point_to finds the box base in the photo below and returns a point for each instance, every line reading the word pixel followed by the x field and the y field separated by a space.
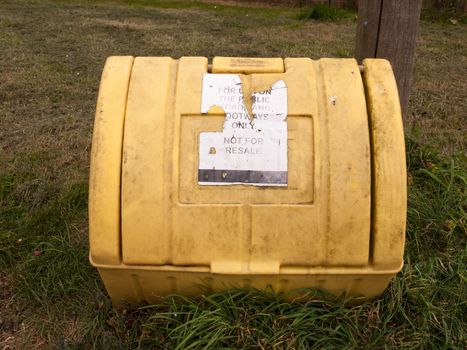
pixel 135 285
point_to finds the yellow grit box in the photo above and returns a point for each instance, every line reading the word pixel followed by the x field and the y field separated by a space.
pixel 249 172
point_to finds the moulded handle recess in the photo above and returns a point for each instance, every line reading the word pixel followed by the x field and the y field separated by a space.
pixel 247 65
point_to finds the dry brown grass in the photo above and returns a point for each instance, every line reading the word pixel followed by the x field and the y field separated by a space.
pixel 438 104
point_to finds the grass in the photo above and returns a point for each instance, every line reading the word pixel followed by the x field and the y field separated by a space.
pixel 263 11
pixel 322 12
pixel 448 14
pixel 50 297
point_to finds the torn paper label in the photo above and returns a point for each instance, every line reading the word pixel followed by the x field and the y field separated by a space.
pixel 252 152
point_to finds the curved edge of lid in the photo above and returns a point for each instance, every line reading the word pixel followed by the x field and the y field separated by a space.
pixel 106 159
pixel 389 174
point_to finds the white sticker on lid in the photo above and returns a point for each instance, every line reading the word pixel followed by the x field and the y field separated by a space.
pixel 250 152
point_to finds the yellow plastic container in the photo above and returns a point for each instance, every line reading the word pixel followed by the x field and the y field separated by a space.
pixel 337 221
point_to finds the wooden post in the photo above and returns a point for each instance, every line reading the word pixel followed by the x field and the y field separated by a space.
pixel 388 29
